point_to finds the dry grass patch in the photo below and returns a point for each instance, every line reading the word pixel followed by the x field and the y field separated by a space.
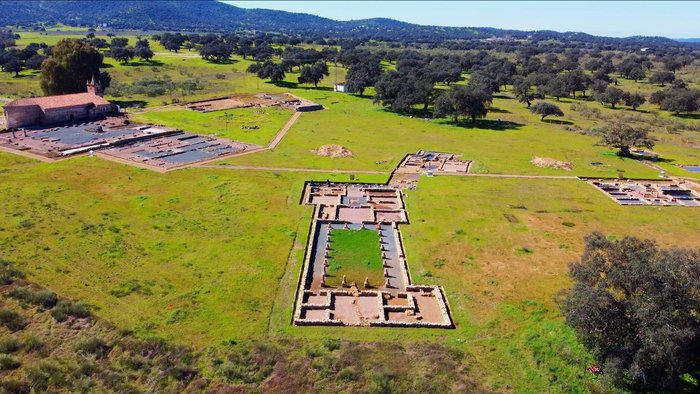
pixel 546 162
pixel 332 150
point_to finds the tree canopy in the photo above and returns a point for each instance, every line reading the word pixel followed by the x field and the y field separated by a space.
pixel 635 306
pixel 72 63
pixel 362 74
pixel 268 69
pixel 612 96
pixel 677 99
pixel 621 135
pixel 545 109
pixel 314 73
pixel 634 100
pixel 471 100
pixel 662 77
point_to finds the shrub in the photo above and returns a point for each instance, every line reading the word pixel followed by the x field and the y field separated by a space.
pixel 12 320
pixel 332 344
pixel 134 362
pixel 585 110
pixel 65 309
pixel 45 375
pixel 523 250
pixel 95 346
pixel 43 298
pixel 250 365
pixel 8 362
pixel 14 387
pixel 8 274
pixel 183 373
pixel 348 374
pixel 33 344
pixel 9 345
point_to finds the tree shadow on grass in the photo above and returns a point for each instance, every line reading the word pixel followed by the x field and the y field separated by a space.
pixel 499 110
pixel 651 160
pixel 320 88
pixel 557 121
pixel 141 63
pixel 284 84
pixel 663 160
pixel 420 114
pixel 226 61
pixel 483 124
pixel 688 116
pixel 638 157
pixel 502 96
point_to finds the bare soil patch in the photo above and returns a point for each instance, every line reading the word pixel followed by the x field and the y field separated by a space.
pixel 332 150
pixel 546 162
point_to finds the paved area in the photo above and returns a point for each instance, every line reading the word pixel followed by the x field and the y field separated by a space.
pixel 176 150
pixel 145 146
pixel 648 192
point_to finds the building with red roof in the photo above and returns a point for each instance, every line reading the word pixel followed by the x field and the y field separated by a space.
pixel 58 109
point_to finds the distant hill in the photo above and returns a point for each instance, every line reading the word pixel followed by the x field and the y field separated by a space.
pixel 214 16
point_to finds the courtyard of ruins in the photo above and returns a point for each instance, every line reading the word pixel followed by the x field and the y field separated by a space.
pixel 149 146
pixel 330 293
pixel 261 100
pixel 664 192
pixel 374 289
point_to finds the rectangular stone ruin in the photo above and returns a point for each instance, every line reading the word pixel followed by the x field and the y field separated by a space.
pixel 396 302
pixel 649 192
pixel 284 100
pixel 426 162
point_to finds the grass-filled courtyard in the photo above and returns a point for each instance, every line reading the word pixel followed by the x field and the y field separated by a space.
pixel 355 254
pixel 252 125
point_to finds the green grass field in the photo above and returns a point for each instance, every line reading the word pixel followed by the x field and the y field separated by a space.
pixel 229 124
pixel 203 256
pixel 355 254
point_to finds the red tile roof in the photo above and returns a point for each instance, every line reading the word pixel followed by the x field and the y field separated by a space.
pixel 62 101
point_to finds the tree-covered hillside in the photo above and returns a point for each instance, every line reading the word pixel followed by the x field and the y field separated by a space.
pixel 215 16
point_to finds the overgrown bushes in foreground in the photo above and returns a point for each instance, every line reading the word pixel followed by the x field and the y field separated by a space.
pixel 57 345
pixel 636 307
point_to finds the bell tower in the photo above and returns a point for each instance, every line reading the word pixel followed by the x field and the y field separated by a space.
pixel 94 87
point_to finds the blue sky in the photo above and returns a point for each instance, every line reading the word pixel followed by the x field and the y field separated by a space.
pixel 674 19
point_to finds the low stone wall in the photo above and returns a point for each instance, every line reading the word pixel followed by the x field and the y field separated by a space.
pixel 395 323
pixel 400 308
pixel 402 255
pixel 437 292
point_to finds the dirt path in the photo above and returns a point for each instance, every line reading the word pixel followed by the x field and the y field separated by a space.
pixel 205 164
pixel 283 131
pixel 263 168
pixel 270 145
pixel 27 154
pixel 511 176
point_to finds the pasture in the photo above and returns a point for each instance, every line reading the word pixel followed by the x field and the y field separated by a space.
pixel 203 256
pixel 251 125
